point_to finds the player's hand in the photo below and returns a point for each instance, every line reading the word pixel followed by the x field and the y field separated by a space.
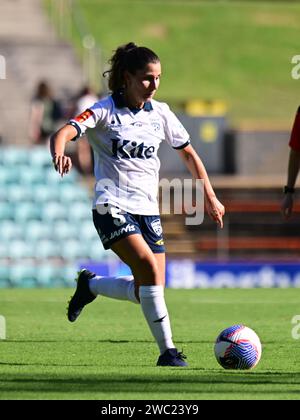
pixel 287 206
pixel 62 164
pixel 216 210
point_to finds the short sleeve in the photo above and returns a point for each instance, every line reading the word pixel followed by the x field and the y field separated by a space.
pixel 176 134
pixel 87 119
pixel 295 134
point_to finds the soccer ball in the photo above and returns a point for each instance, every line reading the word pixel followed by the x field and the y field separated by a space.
pixel 238 347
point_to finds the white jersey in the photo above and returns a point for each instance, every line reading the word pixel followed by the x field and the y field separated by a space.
pixel 125 144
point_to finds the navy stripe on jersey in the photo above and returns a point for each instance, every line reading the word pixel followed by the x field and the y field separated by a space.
pixel 182 146
pixel 73 124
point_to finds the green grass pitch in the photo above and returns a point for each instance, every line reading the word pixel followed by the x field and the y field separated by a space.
pixel 236 51
pixel 109 354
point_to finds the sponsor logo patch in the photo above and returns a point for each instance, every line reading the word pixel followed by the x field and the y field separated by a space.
pixel 84 116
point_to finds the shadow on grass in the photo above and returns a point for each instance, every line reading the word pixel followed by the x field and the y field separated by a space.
pixel 191 381
pixel 86 340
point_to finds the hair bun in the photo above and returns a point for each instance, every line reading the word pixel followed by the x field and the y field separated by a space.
pixel 130 46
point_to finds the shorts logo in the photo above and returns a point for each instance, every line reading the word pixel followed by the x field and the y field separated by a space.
pixel 156 226
pixel 84 116
pixel 116 233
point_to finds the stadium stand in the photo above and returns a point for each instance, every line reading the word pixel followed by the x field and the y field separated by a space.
pixel 253 229
pixel 28 44
pixel 46 227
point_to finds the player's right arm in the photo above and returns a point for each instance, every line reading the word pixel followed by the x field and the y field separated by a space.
pixel 58 141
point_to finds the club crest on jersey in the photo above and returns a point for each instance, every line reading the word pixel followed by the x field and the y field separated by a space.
pixel 156 226
pixel 155 126
pixel 84 116
pixel 131 149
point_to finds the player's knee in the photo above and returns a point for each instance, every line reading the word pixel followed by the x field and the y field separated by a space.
pixel 148 271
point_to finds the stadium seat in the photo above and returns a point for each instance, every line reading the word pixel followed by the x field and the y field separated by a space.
pixel 22 275
pixel 45 220
pixel 95 250
pixel 35 230
pixel 3 193
pixel 69 273
pixel 3 176
pixel 42 193
pixel 87 231
pixel 3 250
pixel 31 175
pixel 52 177
pixel 73 249
pixel 79 212
pixel 40 157
pixel 4 276
pixel 45 249
pixel 6 211
pixel 48 275
pixel 19 249
pixel 13 156
pixel 63 230
pixel 27 211
pixel 71 193
pixel 8 175
pixel 54 211
pixel 10 230
pixel 17 193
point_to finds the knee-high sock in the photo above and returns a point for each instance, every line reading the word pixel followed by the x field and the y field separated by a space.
pixel 156 313
pixel 121 288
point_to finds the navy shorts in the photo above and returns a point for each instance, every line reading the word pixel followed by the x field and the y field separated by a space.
pixel 116 224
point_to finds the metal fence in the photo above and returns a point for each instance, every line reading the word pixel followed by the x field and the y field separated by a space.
pixel 68 18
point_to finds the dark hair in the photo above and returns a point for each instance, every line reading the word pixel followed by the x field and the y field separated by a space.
pixel 128 57
pixel 43 90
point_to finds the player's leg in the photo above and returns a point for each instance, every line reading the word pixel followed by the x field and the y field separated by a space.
pixel 127 287
pixel 82 295
pixel 111 227
pixel 89 286
pixel 147 284
pixel 149 275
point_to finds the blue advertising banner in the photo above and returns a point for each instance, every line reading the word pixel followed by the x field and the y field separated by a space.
pixel 189 274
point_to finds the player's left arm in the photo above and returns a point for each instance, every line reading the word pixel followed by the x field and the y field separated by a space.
pixel 190 157
pixel 293 170
pixel 293 167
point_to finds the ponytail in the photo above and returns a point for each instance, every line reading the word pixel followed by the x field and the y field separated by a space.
pixel 128 57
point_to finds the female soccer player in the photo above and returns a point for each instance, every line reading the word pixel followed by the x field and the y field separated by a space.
pixel 125 130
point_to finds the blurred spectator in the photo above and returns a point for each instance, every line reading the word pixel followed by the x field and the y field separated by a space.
pixel 86 98
pixel 45 113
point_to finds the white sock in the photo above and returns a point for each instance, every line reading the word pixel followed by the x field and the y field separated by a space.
pixel 121 288
pixel 156 313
